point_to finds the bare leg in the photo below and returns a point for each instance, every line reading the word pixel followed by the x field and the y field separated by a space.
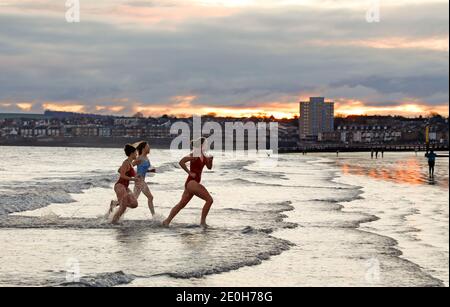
pixel 149 196
pixel 142 187
pixel 185 199
pixel 112 206
pixel 138 188
pixel 200 191
pixel 126 200
pixel 119 214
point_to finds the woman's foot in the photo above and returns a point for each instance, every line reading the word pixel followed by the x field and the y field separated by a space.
pixel 165 223
pixel 204 225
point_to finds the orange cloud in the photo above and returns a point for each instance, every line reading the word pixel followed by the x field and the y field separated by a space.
pixel 64 107
pixel 24 106
pixel 287 107
pixel 355 107
pixel 432 43
pixel 182 106
pixel 114 109
pixel 124 14
pixel 176 13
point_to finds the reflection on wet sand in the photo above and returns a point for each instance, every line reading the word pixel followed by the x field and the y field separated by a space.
pixel 409 171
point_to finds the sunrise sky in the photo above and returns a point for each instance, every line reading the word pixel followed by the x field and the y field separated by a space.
pixel 233 57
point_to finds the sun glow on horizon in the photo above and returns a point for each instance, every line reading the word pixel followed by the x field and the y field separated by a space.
pixel 184 106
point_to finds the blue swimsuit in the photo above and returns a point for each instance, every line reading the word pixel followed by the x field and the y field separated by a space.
pixel 143 167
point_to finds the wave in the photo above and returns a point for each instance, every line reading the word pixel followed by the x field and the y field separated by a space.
pixel 274 250
pixel 387 245
pixel 248 182
pixel 101 280
pixel 248 246
pixel 56 222
pixel 24 196
pixel 121 278
pixel 53 221
pixel 166 167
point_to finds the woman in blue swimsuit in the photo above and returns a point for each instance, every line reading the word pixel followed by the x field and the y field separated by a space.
pixel 143 167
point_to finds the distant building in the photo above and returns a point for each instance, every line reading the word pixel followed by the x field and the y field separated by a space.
pixel 363 134
pixel 287 135
pixel 105 132
pixel 316 117
pixel 22 116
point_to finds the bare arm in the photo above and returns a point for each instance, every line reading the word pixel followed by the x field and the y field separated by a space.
pixel 183 163
pixel 137 162
pixel 209 162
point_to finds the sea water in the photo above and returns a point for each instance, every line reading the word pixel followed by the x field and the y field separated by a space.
pixel 315 220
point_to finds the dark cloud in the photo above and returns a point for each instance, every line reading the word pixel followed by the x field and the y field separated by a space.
pixel 414 86
pixel 255 55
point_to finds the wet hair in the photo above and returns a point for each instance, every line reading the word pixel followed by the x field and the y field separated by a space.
pixel 129 149
pixel 140 148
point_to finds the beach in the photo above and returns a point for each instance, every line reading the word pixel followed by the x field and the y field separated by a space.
pixel 314 220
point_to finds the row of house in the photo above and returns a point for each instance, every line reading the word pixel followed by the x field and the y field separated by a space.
pixel 350 130
pixel 162 131
pixel 363 134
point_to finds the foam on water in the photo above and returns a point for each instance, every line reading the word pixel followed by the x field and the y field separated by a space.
pixel 144 248
pixel 322 228
pixel 416 219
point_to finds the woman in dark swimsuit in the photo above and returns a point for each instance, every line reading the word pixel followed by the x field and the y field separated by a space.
pixel 193 186
pixel 124 195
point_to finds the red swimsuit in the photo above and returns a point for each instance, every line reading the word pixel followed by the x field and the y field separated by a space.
pixel 130 173
pixel 196 167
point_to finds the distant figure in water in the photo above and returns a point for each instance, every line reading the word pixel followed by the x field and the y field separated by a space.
pixel 193 187
pixel 125 197
pixel 371 153
pixel 337 153
pixel 376 154
pixel 143 167
pixel 431 162
pixel 382 153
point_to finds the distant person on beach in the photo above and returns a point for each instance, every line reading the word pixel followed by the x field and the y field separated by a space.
pixel 143 167
pixel 382 153
pixel 376 153
pixel 337 153
pixel 193 187
pixel 431 162
pixel 125 197
pixel 371 153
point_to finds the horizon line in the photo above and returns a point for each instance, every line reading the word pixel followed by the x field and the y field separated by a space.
pixel 428 115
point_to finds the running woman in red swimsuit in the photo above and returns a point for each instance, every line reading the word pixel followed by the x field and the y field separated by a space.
pixel 124 195
pixel 193 187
